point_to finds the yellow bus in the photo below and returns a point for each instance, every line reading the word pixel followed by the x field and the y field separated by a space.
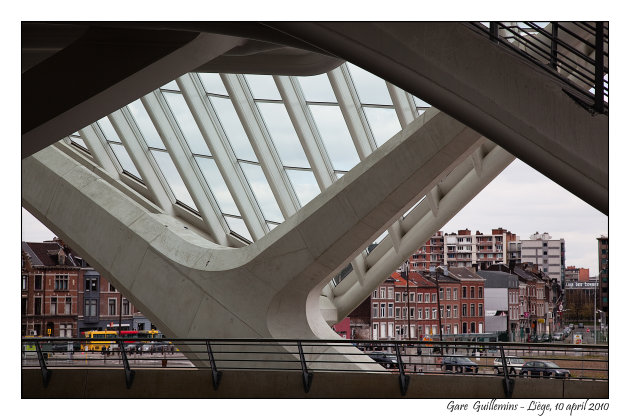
pixel 99 340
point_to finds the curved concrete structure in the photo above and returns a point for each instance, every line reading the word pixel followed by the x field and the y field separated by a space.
pixel 192 287
pixel 192 272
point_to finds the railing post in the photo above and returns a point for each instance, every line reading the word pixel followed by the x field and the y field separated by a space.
pixel 599 67
pixel 508 383
pixel 494 31
pixel 42 364
pixel 307 377
pixel 129 374
pixel 216 375
pixel 554 45
pixel 404 379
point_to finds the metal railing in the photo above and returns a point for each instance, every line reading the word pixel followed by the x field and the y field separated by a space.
pixel 574 52
pixel 403 358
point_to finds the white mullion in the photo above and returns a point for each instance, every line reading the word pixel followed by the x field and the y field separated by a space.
pixel 100 150
pixel 312 145
pixel 138 155
pixel 212 217
pixel 223 155
pixel 404 110
pixel 267 155
pixel 352 111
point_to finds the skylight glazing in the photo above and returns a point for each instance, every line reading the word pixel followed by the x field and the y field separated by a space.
pixel 117 147
pixel 326 131
pixel 376 103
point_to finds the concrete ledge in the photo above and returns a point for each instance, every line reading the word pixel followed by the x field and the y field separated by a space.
pixel 193 383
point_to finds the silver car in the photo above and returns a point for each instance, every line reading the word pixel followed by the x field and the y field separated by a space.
pixel 514 365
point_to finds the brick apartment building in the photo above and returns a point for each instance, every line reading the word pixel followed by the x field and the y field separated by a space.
pixel 62 296
pixel 402 308
pixel 602 253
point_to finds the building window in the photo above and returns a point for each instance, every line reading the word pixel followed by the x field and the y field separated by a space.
pixel 426 313
pixel 38 306
pixel 455 311
pixel 448 293
pixel 53 306
pixel 412 297
pixel 113 289
pixel 427 298
pixel 374 294
pixel 390 310
pixel 38 282
pixel 472 309
pixel 412 313
pixel 390 293
pixel 65 330
pixel 464 325
pixel 480 309
pixel 419 313
pixel 472 327
pixel 397 313
pixel 464 309
pixel 375 310
pixel 383 311
pixel 375 331
pixel 90 307
pixel 90 284
pixel 448 329
pixel 433 297
pixel 463 292
pixel 24 281
pixel 68 306
pixel 454 294
pixel 404 313
pixel 441 293
pixel 397 298
pixel 125 307
pixel 480 294
pixel 112 307
pixel 472 292
pixel 404 296
pixel 433 313
pixel 61 282
pixel 24 305
pixel 448 311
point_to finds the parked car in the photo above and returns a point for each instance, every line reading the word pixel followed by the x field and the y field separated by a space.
pixel 388 361
pixel 514 365
pixel 541 368
pixel 157 347
pixel 580 325
pixel 558 336
pixel 459 364
pixel 571 326
pixel 545 338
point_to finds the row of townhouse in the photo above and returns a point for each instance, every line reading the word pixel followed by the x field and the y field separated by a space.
pixel 62 296
pixel 518 299
pixel 406 305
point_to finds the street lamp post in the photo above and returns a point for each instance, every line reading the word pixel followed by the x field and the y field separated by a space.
pixel 437 288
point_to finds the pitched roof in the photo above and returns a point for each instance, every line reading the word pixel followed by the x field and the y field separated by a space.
pixel 46 253
pixel 463 273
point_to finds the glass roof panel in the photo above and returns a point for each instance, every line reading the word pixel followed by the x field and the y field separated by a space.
pixel 263 87
pixel 212 83
pixel 217 185
pixel 124 159
pixel 262 192
pixel 238 226
pixel 383 123
pixel 370 88
pixel 187 123
pixel 172 85
pixel 233 129
pixel 283 134
pixel 317 88
pixel 174 180
pixel 335 135
pixel 304 184
pixel 79 141
pixel 108 130
pixel 145 125
pixel 420 103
